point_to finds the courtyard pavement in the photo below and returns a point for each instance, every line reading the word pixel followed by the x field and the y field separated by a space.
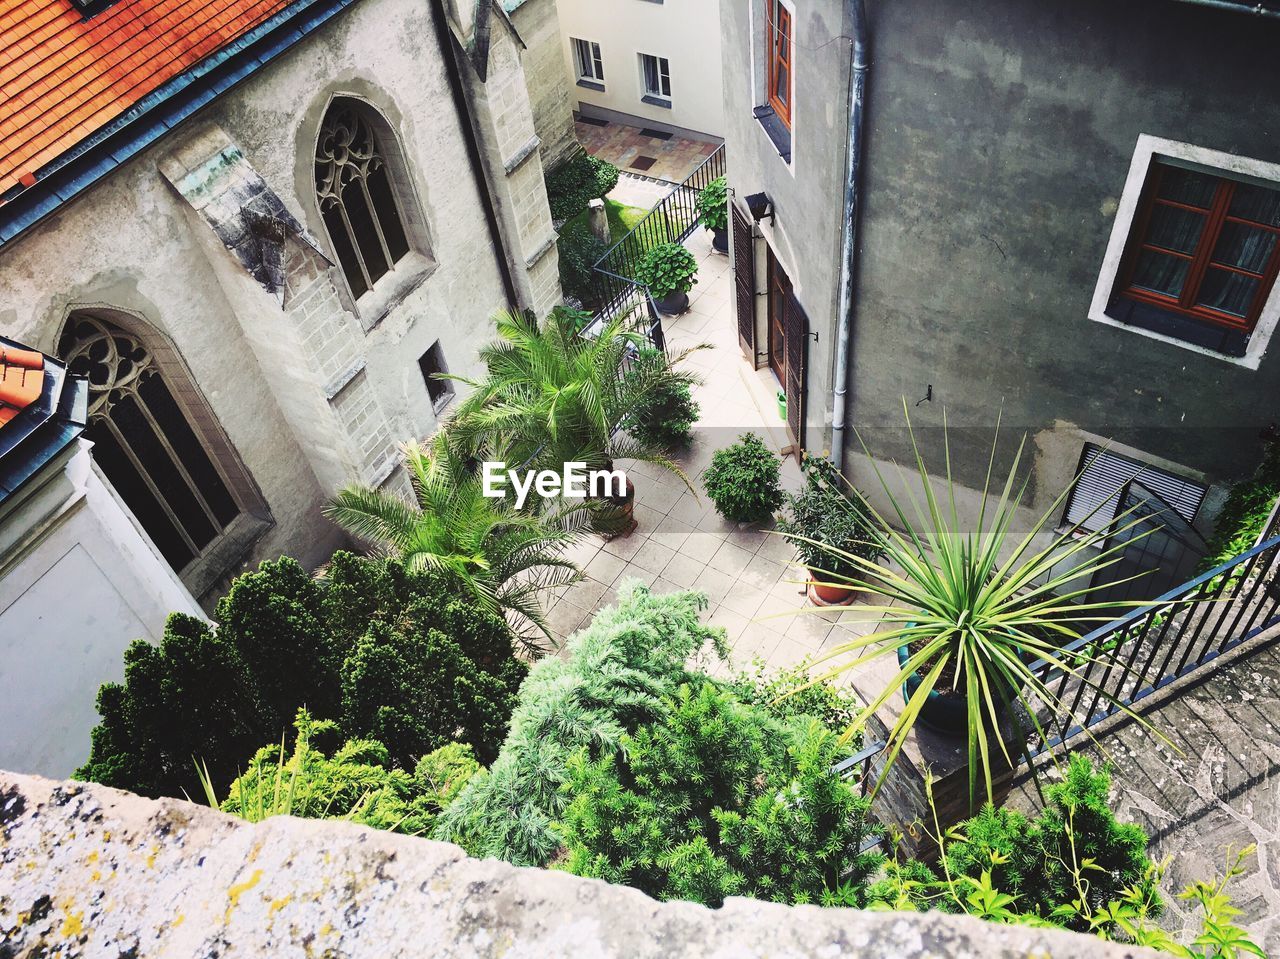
pixel 629 149
pixel 748 573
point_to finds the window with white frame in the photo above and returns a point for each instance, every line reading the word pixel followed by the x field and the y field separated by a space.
pixel 1195 251
pixel 588 61
pixel 655 75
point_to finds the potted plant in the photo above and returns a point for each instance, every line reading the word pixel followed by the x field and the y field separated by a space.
pixel 664 418
pixel 553 395
pixel 669 271
pixel 713 210
pixel 742 480
pixel 971 609
pixel 822 517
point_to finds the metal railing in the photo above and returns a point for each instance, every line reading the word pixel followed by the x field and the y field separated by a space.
pixel 1180 632
pixel 859 764
pixel 672 221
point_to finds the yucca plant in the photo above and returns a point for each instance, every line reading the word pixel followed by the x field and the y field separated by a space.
pixel 974 606
pixel 503 558
pixel 553 395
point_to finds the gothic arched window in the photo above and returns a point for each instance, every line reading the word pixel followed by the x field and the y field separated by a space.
pixel 357 200
pixel 144 441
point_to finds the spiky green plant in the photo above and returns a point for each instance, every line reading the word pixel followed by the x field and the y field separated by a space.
pixel 980 600
pixel 504 558
pixel 551 396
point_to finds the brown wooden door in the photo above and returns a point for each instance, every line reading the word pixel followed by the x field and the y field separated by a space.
pixel 779 290
pixel 744 283
pixel 796 340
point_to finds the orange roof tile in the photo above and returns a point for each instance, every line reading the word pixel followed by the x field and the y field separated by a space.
pixel 63 77
pixel 21 380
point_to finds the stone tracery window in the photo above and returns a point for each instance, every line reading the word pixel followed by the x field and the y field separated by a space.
pixel 147 446
pixel 357 201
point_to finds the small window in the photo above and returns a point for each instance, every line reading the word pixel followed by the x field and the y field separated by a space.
pixel 778 47
pixel 655 72
pixel 1103 475
pixel 1202 256
pixel 589 62
pixel 431 363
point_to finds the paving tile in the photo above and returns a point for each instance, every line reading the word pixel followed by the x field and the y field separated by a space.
pixel 605 567
pixel 587 594
pixel 747 537
pixel 809 628
pixel 788 654
pixel 689 509
pixel 778 548
pixel 762 573
pixel 701 546
pixel 566 618
pixel 730 559
pixel 647 518
pixel 626 547
pixel 733 623
pixel 744 600
pixel 715 585
pixel 583 551
pixel 671 532
pixel 684 571
pixel 652 556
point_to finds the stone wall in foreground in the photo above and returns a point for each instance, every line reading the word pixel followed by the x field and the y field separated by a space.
pixel 89 871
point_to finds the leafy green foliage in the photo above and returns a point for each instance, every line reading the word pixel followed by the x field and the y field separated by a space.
pixel 718 798
pixel 1244 515
pixel 358 783
pixel 501 556
pixel 983 604
pixel 551 396
pixel 664 418
pixel 792 693
pixel 742 480
pixel 617 675
pixel 579 249
pixel 287 640
pixel 713 204
pixel 667 269
pixel 821 517
pixel 576 182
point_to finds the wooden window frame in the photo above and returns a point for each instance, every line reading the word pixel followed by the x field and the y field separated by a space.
pixel 779 51
pixel 1217 215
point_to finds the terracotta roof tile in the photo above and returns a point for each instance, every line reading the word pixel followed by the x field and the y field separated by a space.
pixel 21 380
pixel 63 77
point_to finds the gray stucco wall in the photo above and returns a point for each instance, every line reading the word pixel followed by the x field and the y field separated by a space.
pixel 132 243
pixel 549 94
pixel 999 139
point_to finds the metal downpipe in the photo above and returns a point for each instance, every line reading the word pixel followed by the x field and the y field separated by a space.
pixel 857 17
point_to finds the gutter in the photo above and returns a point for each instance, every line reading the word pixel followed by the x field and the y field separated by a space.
pixel 856 14
pixel 179 98
pixel 450 49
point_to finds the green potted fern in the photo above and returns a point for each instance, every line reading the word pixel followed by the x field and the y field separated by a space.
pixel 669 271
pixel 713 211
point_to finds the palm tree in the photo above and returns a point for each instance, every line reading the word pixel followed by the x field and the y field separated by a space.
pixel 974 613
pixel 561 392
pixel 503 557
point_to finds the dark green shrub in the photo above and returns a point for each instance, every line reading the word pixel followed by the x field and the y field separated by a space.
pixel 579 250
pixel 790 694
pixel 823 513
pixel 716 799
pixel 285 641
pixel 713 204
pixel 1245 513
pixel 665 420
pixel 742 480
pixel 578 181
pixel 667 269
pixel 618 674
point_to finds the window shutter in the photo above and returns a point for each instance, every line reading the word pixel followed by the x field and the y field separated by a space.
pixel 1105 474
pixel 796 332
pixel 744 282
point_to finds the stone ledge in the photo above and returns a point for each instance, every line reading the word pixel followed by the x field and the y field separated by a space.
pixel 91 871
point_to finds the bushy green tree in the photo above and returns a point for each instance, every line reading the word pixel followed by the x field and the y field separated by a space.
pixel 664 419
pixel 576 182
pixel 743 480
pixel 286 640
pixel 358 783
pixel 718 798
pixel 617 675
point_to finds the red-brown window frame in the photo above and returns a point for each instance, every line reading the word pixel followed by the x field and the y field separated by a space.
pixel 1201 258
pixel 779 24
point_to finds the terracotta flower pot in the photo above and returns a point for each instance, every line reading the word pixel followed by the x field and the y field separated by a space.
pixel 823 594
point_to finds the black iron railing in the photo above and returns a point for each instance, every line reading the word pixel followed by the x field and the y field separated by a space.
pixel 1182 631
pixel 671 221
pixel 859 764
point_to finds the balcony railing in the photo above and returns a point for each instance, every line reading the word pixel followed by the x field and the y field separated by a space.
pixel 671 221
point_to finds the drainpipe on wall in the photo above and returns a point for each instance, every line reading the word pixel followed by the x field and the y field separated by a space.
pixel 856 15
pixel 462 106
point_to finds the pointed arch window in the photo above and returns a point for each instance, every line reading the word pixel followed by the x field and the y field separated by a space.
pixel 193 501
pixel 354 187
